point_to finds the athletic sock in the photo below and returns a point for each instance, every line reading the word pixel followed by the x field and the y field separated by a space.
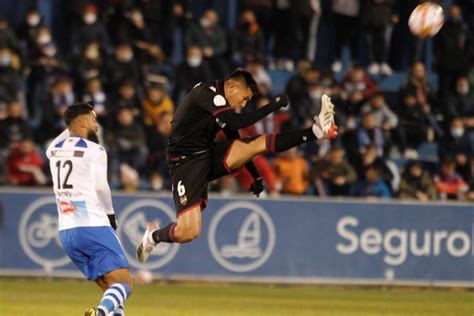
pixel 119 311
pixel 114 296
pixel 165 234
pixel 284 141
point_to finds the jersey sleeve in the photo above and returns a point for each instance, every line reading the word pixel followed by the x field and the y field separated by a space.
pixel 98 160
pixel 209 99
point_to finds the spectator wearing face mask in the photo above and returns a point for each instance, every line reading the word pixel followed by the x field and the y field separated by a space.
pixel 298 91
pixel 460 103
pixel 46 66
pixel 27 30
pixel 9 75
pixel 193 70
pixel 368 133
pixel 124 66
pixel 357 88
pixel 42 37
pixel 256 67
pixel 247 40
pixel 95 94
pixel 457 140
pixel 90 29
pixel 211 39
pixel 384 116
pixel 91 64
pixel 59 98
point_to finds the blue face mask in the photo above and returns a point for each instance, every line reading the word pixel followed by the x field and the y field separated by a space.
pixel 5 60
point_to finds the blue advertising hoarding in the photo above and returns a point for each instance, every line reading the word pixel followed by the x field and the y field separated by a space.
pixel 274 240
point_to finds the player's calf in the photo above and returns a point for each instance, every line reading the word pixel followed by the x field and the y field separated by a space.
pixel 186 229
pixel 114 297
pixel 184 234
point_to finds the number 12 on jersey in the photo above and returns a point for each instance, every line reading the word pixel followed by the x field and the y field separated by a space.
pixel 67 167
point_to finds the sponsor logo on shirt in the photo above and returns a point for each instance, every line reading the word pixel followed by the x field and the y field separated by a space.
pixel 66 207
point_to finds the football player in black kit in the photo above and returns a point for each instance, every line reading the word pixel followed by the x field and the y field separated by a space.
pixel 195 159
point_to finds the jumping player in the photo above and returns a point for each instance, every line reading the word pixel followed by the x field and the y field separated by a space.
pixel 86 216
pixel 195 159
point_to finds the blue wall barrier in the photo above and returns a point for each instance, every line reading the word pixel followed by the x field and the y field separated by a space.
pixel 283 240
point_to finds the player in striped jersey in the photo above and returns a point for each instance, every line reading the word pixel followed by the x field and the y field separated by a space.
pixel 86 216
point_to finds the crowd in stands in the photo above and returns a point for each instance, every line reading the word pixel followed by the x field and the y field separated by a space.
pixel 135 60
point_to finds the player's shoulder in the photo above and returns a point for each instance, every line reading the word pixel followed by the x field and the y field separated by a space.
pixel 205 89
pixel 94 146
pixel 209 93
pixel 90 147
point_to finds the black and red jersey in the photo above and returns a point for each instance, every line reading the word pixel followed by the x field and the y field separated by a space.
pixel 195 125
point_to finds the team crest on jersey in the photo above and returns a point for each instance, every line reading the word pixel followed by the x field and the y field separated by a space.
pixel 219 100
pixel 183 200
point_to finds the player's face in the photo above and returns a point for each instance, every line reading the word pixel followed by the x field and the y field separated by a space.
pixel 238 96
pixel 92 127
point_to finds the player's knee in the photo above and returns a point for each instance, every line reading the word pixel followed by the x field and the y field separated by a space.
pixel 194 232
pixel 189 233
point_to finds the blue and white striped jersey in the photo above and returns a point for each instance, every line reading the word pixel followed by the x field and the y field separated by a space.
pixel 79 171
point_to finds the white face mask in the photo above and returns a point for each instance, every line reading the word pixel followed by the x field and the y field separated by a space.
pixel 315 95
pixel 50 51
pixel 44 38
pixel 125 56
pixel 205 22
pixel 463 90
pixel 92 54
pixel 457 132
pixel 194 61
pixel 5 60
pixel 33 19
pixel 89 18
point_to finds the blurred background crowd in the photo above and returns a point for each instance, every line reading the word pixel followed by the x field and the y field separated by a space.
pixel 404 105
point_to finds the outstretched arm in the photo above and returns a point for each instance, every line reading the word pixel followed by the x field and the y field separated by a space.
pixel 240 120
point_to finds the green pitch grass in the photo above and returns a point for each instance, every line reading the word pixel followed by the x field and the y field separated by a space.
pixel 69 297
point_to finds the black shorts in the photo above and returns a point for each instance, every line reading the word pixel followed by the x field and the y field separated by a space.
pixel 190 176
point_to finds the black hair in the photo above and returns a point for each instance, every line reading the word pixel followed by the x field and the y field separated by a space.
pixel 76 110
pixel 242 75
